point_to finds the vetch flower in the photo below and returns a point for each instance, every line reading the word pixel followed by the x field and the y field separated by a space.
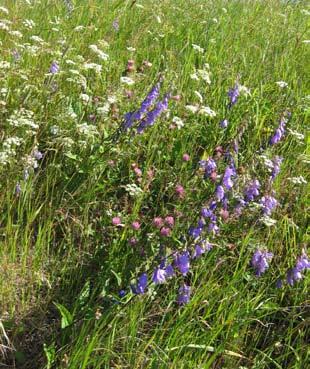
pixel 268 204
pixel 276 166
pixel 233 95
pixel 54 68
pixel 227 181
pixel 260 261
pixel 184 294
pixel 159 276
pixel 182 262
pixel 141 284
pixel 219 193
pixel 252 190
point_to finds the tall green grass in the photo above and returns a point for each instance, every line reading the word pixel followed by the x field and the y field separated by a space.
pixel 62 262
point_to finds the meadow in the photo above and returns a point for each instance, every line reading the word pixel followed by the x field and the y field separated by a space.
pixel 154 168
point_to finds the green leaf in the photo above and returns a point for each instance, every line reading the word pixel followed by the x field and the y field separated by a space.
pixel 66 316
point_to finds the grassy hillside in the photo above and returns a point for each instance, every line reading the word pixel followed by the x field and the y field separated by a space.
pixel 154 159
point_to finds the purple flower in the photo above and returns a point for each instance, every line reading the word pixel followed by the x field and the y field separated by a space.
pixel 303 262
pixel 199 250
pixel 206 213
pixel 18 189
pixel 252 190
pixel 224 123
pixel 268 204
pixel 184 294
pixel 279 133
pixel 141 284
pixel 146 104
pixel 233 95
pixel 115 25
pixel 260 261
pixel 169 271
pixel 213 228
pixel 219 193
pixel 209 166
pixel 54 68
pixel 294 274
pixel 276 166
pixel 37 154
pixel 195 232
pixel 159 276
pixel 152 115
pixel 182 262
pixel 227 181
pixel 121 293
pixel 206 245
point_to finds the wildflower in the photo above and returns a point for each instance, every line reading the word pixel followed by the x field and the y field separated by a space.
pixel 158 222
pixel 127 81
pixel 195 232
pixel 135 225
pixel 121 293
pixel 282 84
pixel 276 166
pixel 280 130
pixel 206 213
pixel 199 250
pixel 268 204
pixel 54 68
pixel 152 115
pixel 18 189
pixel 213 228
pixel 207 112
pixel 184 294
pixel 116 221
pixel 233 95
pixel 165 231
pixel 227 181
pixel 133 241
pixel 252 190
pixel 182 262
pixel 260 261
pixel 141 284
pixel 115 25
pixel 224 123
pixel 219 193
pixel 180 191
pixel 185 157
pixel 169 220
pixel 169 271
pixel 209 166
pixel 198 48
pixel 37 154
pixel 159 276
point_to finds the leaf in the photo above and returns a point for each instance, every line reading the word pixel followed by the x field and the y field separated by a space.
pixel 50 354
pixel 118 278
pixel 66 316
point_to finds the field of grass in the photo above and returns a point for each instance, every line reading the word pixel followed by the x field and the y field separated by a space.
pixel 172 237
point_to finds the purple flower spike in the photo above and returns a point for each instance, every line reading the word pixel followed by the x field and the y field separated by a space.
pixel 199 250
pixel 152 115
pixel 54 68
pixel 184 294
pixel 280 131
pixel 219 193
pixel 209 166
pixel 268 203
pixel 142 283
pixel 227 181
pixel 224 123
pixel 182 262
pixel 169 271
pixel 276 167
pixel 195 232
pixel 252 190
pixel 260 261
pixel 159 276
pixel 233 95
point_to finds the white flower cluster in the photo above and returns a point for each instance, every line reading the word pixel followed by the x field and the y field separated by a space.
pixel 102 55
pixel 23 118
pixel 9 149
pixel 133 190
pixel 87 130
pixel 29 23
pixel 298 180
pixel 202 74
pixel 201 110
